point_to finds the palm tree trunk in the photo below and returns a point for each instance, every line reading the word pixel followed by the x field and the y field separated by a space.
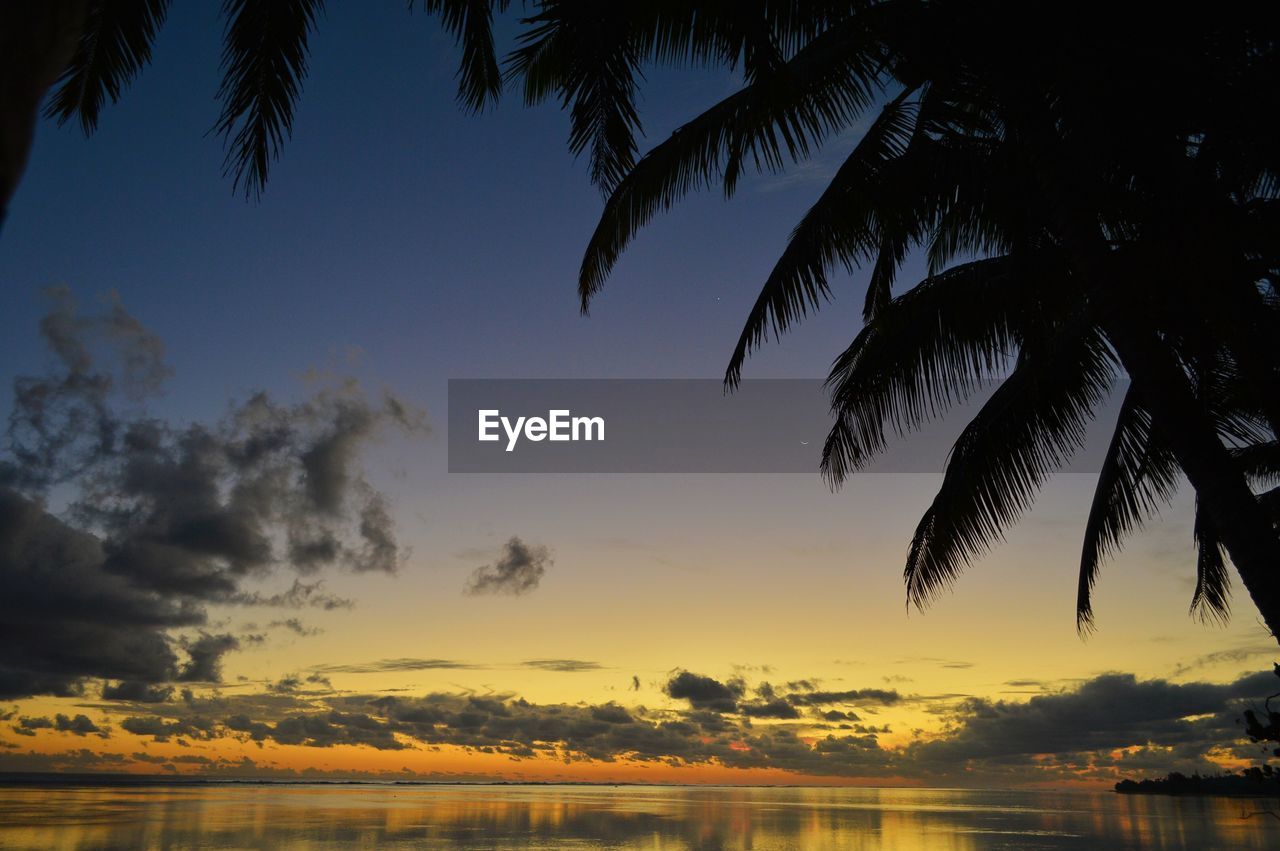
pixel 1242 525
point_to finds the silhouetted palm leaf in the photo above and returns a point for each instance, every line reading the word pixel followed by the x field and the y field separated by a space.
pixel 1211 599
pixel 931 347
pixel 591 56
pixel 883 201
pixel 1138 474
pixel 1032 424
pixel 840 228
pixel 825 86
pixel 264 60
pixel 115 45
pixel 471 23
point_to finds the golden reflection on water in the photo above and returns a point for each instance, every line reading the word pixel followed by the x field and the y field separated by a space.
pixel 544 817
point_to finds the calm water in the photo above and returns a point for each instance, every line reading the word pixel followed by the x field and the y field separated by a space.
pixel 474 817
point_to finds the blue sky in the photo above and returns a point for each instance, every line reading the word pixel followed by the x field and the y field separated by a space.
pixel 441 244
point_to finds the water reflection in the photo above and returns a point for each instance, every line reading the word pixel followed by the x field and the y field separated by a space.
pixel 472 817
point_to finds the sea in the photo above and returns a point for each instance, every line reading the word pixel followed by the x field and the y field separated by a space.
pixel 394 816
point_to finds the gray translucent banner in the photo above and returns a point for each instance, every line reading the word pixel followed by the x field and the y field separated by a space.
pixel 682 426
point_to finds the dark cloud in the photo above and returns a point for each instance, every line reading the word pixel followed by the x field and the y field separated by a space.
pixel 336 728
pixel 518 570
pixel 206 652
pixel 27 726
pixel 885 697
pixel 611 713
pixel 80 725
pixel 568 666
pixel 1080 726
pixel 137 692
pixel 162 730
pixel 777 708
pixel 837 715
pixel 66 619
pixel 296 683
pixel 160 520
pixel 704 692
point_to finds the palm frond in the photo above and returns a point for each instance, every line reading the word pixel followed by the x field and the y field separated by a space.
pixel 929 348
pixel 587 53
pixel 114 47
pixel 1211 600
pixel 264 60
pixel 840 227
pixel 471 24
pixel 1138 474
pixel 785 115
pixel 591 55
pixel 1028 429
pixel 913 179
pixel 1261 462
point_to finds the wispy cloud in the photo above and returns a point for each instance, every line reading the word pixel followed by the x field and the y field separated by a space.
pixel 402 664
pixel 568 666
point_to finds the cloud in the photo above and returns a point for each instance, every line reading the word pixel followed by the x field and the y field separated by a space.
pixel 518 570
pixel 704 692
pixel 838 715
pixel 1083 724
pixel 80 725
pixel 884 697
pixel 1102 729
pixel 955 664
pixel 403 664
pixel 299 595
pixel 295 683
pixel 777 708
pixel 27 726
pixel 295 626
pixel 206 652
pixel 67 618
pixel 567 666
pixel 137 692
pixel 160 520
pixel 162 730
pixel 1236 655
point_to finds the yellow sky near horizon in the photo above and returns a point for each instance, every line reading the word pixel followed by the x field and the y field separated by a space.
pixel 731 590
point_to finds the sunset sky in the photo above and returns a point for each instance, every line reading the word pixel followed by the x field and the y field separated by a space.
pixel 671 628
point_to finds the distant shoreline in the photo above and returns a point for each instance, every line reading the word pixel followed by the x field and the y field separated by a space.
pixel 36 779
pixel 40 778
pixel 1222 786
pixel 1225 787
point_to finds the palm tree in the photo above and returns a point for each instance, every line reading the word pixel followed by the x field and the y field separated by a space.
pixel 88 52
pixel 1094 194
pixel 1094 191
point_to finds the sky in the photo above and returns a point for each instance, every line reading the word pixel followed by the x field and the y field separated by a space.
pixel 409 622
